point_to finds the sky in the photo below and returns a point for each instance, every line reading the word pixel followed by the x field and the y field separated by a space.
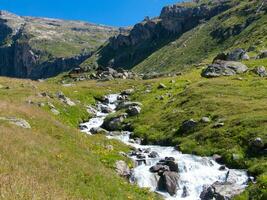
pixel 109 12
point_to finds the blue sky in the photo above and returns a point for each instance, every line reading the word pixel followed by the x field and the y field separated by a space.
pixel 109 12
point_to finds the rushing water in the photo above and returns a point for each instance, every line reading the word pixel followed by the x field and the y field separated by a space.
pixel 194 171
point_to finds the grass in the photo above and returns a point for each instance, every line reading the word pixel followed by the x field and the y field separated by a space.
pixel 201 44
pixel 239 103
pixel 53 160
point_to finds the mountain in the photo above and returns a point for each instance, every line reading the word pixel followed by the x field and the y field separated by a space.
pixel 41 47
pixel 185 34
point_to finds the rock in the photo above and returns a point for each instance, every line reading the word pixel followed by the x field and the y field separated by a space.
pixel 172 165
pixel 262 55
pixel 127 92
pixel 185 192
pixel 257 143
pixel 64 99
pixel 157 168
pixel 99 131
pixel 188 125
pixel 106 109
pixel 109 147
pixel 205 120
pixel 261 71
pixel 237 54
pixel 91 110
pixel 50 105
pixel 17 121
pixel 153 154
pixel 134 110
pixel 54 111
pixel 222 168
pixel 252 48
pixel 122 169
pixel 114 123
pixel 218 158
pixel 207 193
pixel 226 190
pixel 162 86
pixel 126 105
pixel 218 125
pixel 169 182
pixel 224 68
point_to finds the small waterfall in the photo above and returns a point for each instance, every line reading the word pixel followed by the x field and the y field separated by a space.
pixel 194 171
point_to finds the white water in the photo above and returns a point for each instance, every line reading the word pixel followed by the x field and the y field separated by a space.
pixel 194 171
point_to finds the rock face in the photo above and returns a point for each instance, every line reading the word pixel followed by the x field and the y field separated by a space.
pixel 22 41
pixel 224 68
pixel 151 34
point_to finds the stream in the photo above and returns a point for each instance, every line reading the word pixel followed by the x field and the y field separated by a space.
pixel 194 171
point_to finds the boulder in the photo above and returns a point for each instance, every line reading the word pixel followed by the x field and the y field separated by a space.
pixel 122 169
pixel 205 120
pixel 64 99
pixel 224 68
pixel 106 109
pixel 162 86
pixel 99 131
pixel 17 121
pixel 127 92
pixel 126 105
pixel 207 193
pixel 169 182
pixel 188 125
pixel 237 54
pixel 153 154
pixel 262 55
pixel 55 111
pixel 114 123
pixel 261 71
pixel 134 110
pixel 159 167
pixel 257 143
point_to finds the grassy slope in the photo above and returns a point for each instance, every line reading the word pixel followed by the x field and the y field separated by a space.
pixel 197 46
pixel 241 103
pixel 53 160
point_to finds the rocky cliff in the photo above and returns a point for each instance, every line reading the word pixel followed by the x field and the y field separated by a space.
pixel 128 49
pixel 40 47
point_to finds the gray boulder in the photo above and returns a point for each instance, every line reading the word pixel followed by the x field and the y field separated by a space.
pixel 122 169
pixel 114 123
pixel 134 110
pixel 17 121
pixel 126 105
pixel 169 182
pixel 224 68
pixel 188 125
pixel 162 86
pixel 237 54
pixel 127 92
pixel 262 55
pixel 261 71
pixel 257 143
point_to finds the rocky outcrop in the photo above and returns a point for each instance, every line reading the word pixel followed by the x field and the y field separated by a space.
pixel 27 45
pixel 126 50
pixel 224 68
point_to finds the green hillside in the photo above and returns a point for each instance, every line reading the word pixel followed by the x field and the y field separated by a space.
pixel 240 27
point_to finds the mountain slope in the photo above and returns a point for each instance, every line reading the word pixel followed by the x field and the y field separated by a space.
pixel 40 47
pixel 185 35
pixel 243 26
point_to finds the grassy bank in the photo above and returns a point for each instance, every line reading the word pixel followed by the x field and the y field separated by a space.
pixel 53 160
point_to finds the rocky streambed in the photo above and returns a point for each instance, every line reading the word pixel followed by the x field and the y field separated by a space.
pixel 165 170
